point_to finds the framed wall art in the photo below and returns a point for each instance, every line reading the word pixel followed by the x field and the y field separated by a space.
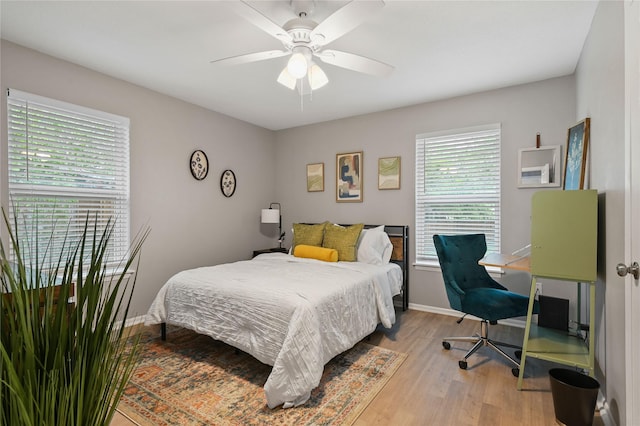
pixel 199 164
pixel 389 173
pixel 576 157
pixel 315 177
pixel 228 183
pixel 349 177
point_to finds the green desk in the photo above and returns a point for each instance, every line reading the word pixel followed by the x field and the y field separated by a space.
pixel 564 234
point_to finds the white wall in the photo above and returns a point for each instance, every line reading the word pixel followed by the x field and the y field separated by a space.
pixel 600 95
pixel 547 107
pixel 192 223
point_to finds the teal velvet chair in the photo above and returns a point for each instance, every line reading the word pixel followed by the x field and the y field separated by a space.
pixel 472 291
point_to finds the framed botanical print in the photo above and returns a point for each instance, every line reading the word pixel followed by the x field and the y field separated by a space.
pixel 389 173
pixel 349 177
pixel 199 164
pixel 576 156
pixel 315 177
pixel 228 183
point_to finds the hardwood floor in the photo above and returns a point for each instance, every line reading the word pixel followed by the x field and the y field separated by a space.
pixel 430 389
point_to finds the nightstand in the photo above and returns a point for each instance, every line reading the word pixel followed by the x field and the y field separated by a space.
pixel 271 250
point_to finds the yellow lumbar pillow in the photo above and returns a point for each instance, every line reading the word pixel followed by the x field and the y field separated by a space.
pixel 314 252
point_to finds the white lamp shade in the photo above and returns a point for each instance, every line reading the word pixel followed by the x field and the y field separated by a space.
pixel 317 77
pixel 270 216
pixel 286 79
pixel 297 65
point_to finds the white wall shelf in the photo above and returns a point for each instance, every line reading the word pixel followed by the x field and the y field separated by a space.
pixel 539 167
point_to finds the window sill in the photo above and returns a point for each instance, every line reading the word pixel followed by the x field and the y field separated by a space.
pixel 434 266
pixel 431 266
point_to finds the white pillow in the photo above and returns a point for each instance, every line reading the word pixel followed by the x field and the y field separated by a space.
pixel 374 246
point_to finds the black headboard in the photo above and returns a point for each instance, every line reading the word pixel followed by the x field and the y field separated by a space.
pixel 399 236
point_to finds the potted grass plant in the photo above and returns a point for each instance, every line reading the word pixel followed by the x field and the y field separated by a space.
pixel 65 363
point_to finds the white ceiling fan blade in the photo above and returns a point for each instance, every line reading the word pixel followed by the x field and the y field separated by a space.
pixel 251 57
pixel 344 20
pixel 256 17
pixel 355 62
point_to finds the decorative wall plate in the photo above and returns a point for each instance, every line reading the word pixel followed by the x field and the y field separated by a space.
pixel 228 183
pixel 199 164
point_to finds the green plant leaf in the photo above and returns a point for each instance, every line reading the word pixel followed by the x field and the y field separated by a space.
pixel 65 364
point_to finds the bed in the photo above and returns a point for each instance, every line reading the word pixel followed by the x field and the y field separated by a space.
pixel 292 313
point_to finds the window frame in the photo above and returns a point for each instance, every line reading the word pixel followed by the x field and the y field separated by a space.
pixel 88 174
pixel 490 195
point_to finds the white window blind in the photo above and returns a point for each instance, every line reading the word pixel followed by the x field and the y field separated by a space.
pixel 457 187
pixel 66 162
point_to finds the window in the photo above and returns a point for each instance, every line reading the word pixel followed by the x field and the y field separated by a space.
pixel 65 162
pixel 457 187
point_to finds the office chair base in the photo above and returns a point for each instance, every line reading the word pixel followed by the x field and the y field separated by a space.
pixel 480 340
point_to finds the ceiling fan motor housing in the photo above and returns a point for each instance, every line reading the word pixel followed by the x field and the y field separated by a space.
pixel 300 32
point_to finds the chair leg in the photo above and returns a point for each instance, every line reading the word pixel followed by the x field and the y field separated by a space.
pixel 480 340
pixel 469 339
pixel 501 352
pixel 480 343
pixel 505 345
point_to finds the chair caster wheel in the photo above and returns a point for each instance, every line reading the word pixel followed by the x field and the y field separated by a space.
pixel 462 364
pixel 515 371
pixel 446 345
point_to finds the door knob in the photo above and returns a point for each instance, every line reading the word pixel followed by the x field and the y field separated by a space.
pixel 623 270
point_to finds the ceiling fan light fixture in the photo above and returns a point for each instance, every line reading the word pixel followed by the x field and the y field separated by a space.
pixel 317 77
pixel 287 79
pixel 304 38
pixel 297 65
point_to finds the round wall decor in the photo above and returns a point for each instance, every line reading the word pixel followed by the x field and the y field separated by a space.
pixel 228 183
pixel 199 164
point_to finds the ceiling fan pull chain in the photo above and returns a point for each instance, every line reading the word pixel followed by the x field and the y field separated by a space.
pixel 301 102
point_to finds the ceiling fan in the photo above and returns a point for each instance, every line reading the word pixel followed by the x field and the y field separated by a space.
pixel 303 39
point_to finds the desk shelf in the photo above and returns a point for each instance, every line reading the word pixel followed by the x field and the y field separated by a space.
pixel 558 346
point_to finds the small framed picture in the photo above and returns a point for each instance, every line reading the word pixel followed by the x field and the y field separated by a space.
pixel 315 177
pixel 389 173
pixel 576 157
pixel 349 177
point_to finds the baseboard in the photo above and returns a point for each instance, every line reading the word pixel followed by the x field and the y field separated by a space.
pixel 131 321
pixel 512 322
pixel 602 407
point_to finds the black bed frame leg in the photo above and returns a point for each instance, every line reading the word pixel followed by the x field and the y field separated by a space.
pixel 163 331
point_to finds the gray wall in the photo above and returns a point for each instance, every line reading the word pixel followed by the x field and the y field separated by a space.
pixel 547 107
pixel 600 95
pixel 192 223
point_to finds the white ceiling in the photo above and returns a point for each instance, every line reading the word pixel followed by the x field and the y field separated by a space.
pixel 439 49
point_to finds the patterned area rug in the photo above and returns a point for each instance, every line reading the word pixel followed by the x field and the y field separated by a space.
pixel 192 379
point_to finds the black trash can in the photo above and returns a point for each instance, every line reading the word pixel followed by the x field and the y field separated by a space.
pixel 574 396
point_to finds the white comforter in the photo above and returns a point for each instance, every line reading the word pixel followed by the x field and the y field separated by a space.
pixel 291 313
